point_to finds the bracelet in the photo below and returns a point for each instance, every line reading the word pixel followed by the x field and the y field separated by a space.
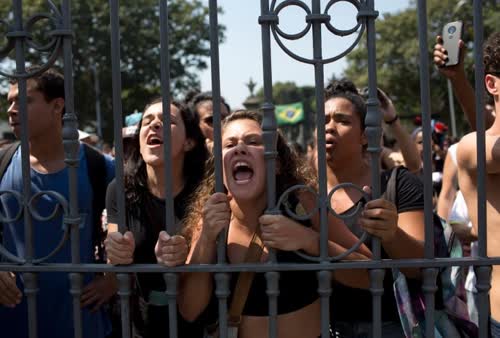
pixel 393 120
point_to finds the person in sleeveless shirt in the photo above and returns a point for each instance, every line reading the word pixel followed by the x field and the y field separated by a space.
pixel 242 208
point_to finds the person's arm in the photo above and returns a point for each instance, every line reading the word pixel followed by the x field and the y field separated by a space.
pixel 461 86
pixel 449 187
pixel 283 233
pixel 195 289
pixel 408 148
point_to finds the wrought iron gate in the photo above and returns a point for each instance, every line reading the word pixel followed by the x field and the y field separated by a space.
pixel 318 21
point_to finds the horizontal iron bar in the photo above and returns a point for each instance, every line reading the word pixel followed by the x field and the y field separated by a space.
pixel 156 268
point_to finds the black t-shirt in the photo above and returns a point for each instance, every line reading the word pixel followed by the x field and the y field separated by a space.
pixel 410 197
pixel 146 221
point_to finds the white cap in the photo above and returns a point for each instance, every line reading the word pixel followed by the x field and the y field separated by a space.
pixel 82 134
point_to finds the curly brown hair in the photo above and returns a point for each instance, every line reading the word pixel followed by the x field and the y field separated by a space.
pixel 491 57
pixel 292 171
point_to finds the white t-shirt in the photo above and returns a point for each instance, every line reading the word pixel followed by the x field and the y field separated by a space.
pixel 459 214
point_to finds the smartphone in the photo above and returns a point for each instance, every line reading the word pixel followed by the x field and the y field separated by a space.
pixel 452 34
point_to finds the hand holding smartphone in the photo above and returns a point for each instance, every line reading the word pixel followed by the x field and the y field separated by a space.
pixel 452 34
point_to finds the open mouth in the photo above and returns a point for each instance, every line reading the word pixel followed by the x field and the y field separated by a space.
pixel 330 143
pixel 154 140
pixel 242 172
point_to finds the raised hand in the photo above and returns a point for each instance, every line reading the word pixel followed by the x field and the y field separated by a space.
pixel 441 55
pixel 120 248
pixel 98 291
pixel 216 215
pixel 380 218
pixel 283 233
pixel 10 295
pixel 171 250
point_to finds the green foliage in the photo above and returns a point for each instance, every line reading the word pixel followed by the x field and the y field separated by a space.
pixel 398 65
pixel 189 49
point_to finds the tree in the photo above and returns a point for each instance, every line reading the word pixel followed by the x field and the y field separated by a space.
pixel 289 92
pixel 189 48
pixel 398 64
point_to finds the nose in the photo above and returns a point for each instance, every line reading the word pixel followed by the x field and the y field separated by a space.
pixel 156 124
pixel 241 148
pixel 12 110
pixel 331 127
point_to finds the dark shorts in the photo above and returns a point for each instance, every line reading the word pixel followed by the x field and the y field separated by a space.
pixel 495 328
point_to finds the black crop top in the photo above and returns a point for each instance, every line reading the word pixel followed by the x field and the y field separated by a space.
pixel 296 288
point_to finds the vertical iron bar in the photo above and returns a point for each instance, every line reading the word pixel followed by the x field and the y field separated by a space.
pixel 429 274
pixel 124 282
pixel 373 132
pixel 324 290
pixel 269 128
pixel 484 272
pixel 71 150
pixel 170 278
pixel 221 279
pixel 123 279
pixel 426 126
pixel 30 278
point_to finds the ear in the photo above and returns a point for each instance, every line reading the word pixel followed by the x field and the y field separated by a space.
pixel 59 105
pixel 188 145
pixel 492 84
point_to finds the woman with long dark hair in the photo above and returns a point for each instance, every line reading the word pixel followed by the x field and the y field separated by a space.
pixel 145 205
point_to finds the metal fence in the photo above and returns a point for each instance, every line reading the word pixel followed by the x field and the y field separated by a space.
pixel 317 18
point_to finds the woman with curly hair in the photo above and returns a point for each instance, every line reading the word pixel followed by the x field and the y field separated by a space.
pixel 242 208
pixel 145 205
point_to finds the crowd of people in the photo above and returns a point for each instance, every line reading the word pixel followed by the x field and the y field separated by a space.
pixel 201 213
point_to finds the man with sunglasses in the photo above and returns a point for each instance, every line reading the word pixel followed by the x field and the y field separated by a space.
pixel 467 174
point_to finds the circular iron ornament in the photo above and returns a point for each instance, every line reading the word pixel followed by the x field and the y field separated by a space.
pixel 55 40
pixel 56 250
pixel 277 32
pixel 55 195
pixel 342 32
pixel 364 236
pixel 293 214
pixel 10 42
pixel 62 204
pixel 19 198
pixel 358 206
pixel 287 3
pixel 29 27
pixel 4 252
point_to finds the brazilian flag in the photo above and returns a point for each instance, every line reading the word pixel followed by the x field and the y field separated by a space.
pixel 292 113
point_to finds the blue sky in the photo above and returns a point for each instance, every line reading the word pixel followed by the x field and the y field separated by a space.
pixel 241 53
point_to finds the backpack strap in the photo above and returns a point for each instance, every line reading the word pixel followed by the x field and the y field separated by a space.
pixel 96 168
pixel 390 193
pixel 6 155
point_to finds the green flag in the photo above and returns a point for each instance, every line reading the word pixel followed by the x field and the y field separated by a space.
pixel 289 113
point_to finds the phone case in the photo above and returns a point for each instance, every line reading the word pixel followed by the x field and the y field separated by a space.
pixel 452 33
